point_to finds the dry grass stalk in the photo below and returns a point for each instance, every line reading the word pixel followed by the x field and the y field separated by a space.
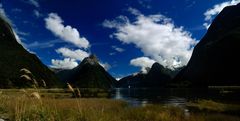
pixel 43 83
pixel 23 90
pixel 25 71
pixel 35 95
pixel 35 83
pixel 77 93
pixel 26 77
pixel 70 88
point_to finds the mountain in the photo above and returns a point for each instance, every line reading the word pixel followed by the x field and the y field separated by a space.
pixel 88 74
pixel 157 76
pixel 13 57
pixel 133 80
pixel 215 58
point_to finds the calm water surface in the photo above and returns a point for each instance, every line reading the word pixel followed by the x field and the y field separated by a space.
pixel 176 97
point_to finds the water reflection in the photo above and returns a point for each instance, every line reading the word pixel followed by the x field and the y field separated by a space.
pixel 173 97
pixel 141 97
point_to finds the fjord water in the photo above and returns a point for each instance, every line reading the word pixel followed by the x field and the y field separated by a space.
pixel 175 97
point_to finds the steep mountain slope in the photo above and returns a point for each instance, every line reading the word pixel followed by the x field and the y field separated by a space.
pixel 132 81
pixel 215 58
pixel 14 57
pixel 88 74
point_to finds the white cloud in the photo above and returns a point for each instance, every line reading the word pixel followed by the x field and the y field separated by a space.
pixel 118 49
pixel 37 13
pixel 3 14
pixel 33 2
pixel 105 65
pixel 2 11
pixel 37 45
pixel 142 62
pixel 118 78
pixel 156 36
pixel 67 33
pixel 216 9
pixel 112 53
pixel 71 59
pixel 74 54
pixel 67 63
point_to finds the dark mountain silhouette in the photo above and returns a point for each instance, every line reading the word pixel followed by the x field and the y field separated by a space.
pixel 132 81
pixel 215 58
pixel 158 76
pixel 14 57
pixel 88 74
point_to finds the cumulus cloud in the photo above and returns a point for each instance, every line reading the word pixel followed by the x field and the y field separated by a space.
pixel 72 57
pixel 156 36
pixel 216 9
pixel 74 54
pixel 142 62
pixel 67 33
pixel 67 63
pixel 118 49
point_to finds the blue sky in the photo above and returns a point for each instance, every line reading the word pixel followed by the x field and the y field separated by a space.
pixel 126 35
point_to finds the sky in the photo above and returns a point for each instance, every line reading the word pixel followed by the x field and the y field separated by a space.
pixel 126 35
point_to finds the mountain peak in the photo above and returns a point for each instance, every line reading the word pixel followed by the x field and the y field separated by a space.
pixel 92 60
pixel 157 65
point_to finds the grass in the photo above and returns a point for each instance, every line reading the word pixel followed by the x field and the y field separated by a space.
pixel 20 107
pixel 210 106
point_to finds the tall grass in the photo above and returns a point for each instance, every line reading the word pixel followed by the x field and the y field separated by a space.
pixel 23 108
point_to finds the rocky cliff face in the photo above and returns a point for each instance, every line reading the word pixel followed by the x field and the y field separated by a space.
pixel 14 57
pixel 215 58
pixel 88 74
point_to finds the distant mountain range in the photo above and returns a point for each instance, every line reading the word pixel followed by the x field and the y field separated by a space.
pixel 88 74
pixel 13 57
pixel 215 58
